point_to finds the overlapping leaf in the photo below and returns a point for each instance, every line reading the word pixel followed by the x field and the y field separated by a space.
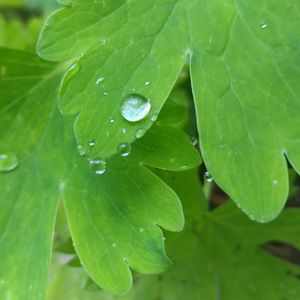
pixel 113 218
pixel 218 255
pixel 244 60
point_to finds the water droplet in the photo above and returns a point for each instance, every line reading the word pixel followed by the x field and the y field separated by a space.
pixel 8 162
pixel 124 149
pixel 275 182
pixel 123 130
pixel 147 82
pixel 98 166
pixel 194 141
pixel 135 107
pixel 102 41
pixel 140 133
pixel 263 25
pixel 73 70
pixel 141 229
pixel 208 177
pixel 154 117
pixel 91 143
pixel 81 150
pixel 111 121
pixel 105 93
pixel 251 217
pixel 99 80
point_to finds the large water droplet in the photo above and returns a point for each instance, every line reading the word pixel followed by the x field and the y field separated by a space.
pixel 124 149
pixel 135 107
pixel 98 166
pixel 140 133
pixel 8 162
pixel 208 177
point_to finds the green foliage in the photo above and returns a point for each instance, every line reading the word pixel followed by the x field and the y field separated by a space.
pixel 241 55
pixel 100 190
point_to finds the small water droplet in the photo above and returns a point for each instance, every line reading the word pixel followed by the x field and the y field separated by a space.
pixel 275 182
pixel 111 121
pixel 105 93
pixel 135 107
pixel 8 162
pixel 91 143
pixel 140 133
pixel 208 177
pixel 251 217
pixel 263 25
pixel 73 70
pixel 98 166
pixel 147 82
pixel 123 130
pixel 99 80
pixel 124 149
pixel 141 229
pixel 81 150
pixel 102 41
pixel 194 141
pixel 154 117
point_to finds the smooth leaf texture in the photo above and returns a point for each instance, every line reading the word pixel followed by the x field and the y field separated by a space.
pixel 244 59
pixel 113 218
pixel 217 256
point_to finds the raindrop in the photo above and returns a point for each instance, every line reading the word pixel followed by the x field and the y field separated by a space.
pixel 99 80
pixel 105 93
pixel 135 107
pixel 208 177
pixel 124 149
pixel 98 166
pixel 81 150
pixel 147 82
pixel 263 25
pixel 194 141
pixel 123 130
pixel 140 133
pixel 111 121
pixel 154 117
pixel 91 143
pixel 8 162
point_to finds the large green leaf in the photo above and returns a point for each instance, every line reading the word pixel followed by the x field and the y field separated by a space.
pixel 217 256
pixel 114 217
pixel 244 59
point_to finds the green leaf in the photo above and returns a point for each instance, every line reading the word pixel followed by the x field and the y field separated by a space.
pixel 243 57
pixel 219 254
pixel 114 218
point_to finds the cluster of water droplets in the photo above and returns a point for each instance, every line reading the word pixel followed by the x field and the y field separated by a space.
pixel 208 177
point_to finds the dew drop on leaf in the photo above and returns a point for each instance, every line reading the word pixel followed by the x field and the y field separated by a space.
pixel 81 150
pixel 111 121
pixel 135 107
pixel 98 166
pixel 147 82
pixel 8 162
pixel 154 117
pixel 208 177
pixel 99 80
pixel 124 149
pixel 140 133
pixel 91 142
pixel 263 25
pixel 194 141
